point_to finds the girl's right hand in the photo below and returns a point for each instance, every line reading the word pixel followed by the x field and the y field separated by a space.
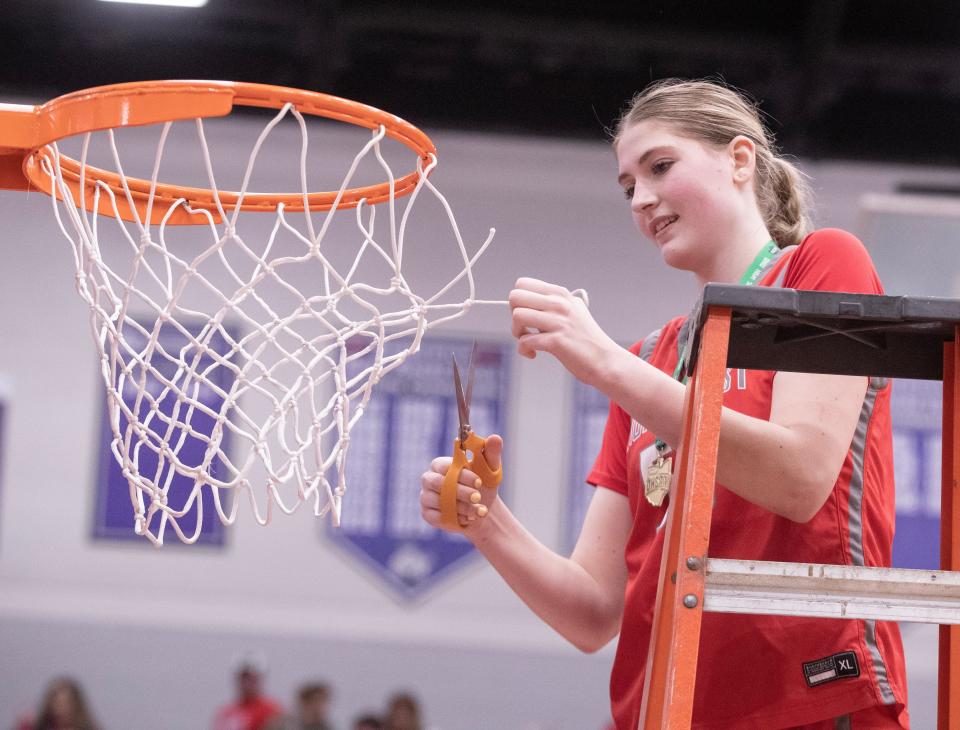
pixel 473 499
pixel 550 318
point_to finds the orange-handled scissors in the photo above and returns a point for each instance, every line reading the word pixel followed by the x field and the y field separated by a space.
pixel 466 441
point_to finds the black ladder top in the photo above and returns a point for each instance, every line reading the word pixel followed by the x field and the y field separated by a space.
pixel 831 332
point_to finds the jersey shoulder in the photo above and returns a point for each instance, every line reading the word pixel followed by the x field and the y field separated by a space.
pixel 831 259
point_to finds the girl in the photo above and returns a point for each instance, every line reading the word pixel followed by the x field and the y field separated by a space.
pixel 804 470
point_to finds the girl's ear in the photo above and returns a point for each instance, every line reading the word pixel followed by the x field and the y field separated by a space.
pixel 743 155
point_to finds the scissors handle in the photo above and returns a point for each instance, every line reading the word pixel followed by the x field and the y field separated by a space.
pixel 478 465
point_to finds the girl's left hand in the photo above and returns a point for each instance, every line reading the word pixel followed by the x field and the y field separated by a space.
pixel 549 318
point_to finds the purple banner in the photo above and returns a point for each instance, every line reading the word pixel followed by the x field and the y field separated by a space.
pixel 916 408
pixel 113 513
pixel 590 411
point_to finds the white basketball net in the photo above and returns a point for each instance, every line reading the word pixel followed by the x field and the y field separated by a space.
pixel 238 365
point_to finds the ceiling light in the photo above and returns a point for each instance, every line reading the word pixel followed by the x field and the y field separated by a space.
pixel 174 3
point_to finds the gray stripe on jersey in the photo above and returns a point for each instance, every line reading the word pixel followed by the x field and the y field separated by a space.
pixel 879 668
pixel 855 513
pixel 684 332
pixel 778 282
pixel 649 343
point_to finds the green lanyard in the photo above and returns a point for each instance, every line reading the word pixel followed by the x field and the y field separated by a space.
pixel 750 277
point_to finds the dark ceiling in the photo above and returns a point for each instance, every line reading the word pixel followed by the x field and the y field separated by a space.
pixel 852 79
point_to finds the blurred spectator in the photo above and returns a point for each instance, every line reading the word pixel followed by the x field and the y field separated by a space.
pixel 63 707
pixel 368 722
pixel 313 704
pixel 251 710
pixel 403 713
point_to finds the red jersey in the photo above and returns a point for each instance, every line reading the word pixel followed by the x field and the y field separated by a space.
pixel 249 715
pixel 768 671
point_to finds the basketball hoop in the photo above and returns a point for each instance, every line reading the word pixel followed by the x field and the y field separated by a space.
pixel 272 346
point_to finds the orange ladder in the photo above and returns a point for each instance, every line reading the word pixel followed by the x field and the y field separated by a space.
pixel 826 332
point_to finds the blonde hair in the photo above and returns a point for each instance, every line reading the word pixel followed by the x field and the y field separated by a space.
pixel 714 114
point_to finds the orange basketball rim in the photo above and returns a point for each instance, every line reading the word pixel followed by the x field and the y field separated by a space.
pixel 26 131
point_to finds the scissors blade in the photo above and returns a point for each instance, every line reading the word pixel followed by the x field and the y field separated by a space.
pixel 463 407
pixel 471 371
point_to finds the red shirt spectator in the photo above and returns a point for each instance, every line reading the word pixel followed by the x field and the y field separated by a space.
pixel 252 710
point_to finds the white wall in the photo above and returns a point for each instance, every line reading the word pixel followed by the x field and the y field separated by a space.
pixel 152 632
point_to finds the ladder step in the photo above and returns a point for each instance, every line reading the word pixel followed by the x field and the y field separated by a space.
pixel 832 591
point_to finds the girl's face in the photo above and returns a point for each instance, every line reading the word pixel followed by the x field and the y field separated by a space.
pixel 683 194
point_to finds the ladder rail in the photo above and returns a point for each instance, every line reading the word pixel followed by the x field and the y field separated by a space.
pixel 667 700
pixel 832 591
pixel 948 685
